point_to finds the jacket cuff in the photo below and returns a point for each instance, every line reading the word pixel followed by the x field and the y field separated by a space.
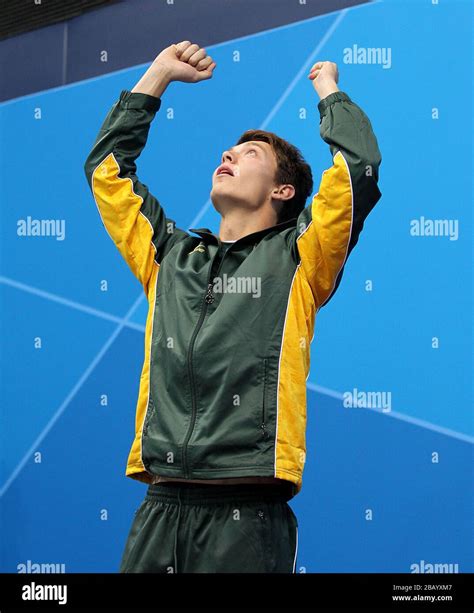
pixel 334 97
pixel 135 100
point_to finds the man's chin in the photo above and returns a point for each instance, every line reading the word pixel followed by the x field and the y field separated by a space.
pixel 223 203
pixel 220 196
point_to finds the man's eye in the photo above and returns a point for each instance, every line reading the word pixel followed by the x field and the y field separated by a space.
pixel 254 150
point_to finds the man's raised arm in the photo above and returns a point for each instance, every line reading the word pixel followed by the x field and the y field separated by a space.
pixel 328 229
pixel 132 216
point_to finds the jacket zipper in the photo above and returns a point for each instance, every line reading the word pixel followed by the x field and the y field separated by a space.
pixel 263 425
pixel 208 299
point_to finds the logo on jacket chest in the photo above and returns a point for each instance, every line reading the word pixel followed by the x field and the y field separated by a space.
pixel 200 248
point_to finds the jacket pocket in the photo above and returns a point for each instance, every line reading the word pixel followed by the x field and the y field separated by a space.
pixel 263 423
pixel 149 413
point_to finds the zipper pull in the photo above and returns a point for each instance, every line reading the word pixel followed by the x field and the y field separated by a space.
pixel 209 295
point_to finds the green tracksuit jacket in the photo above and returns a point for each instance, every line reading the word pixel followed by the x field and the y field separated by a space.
pixel 227 342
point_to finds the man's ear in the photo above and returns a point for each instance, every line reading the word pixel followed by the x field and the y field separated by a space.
pixel 283 192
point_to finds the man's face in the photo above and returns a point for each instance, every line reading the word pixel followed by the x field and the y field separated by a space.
pixel 254 166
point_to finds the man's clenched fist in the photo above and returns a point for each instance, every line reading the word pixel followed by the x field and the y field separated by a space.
pixel 185 62
pixel 325 77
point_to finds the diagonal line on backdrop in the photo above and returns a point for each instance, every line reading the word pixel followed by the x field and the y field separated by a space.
pixel 85 375
pixel 70 303
pixel 461 436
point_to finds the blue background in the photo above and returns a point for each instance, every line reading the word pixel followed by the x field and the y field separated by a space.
pixel 380 340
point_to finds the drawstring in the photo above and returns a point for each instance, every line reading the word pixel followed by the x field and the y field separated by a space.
pixel 176 534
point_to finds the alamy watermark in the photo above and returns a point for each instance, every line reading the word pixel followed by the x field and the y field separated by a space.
pixel 368 55
pixel 437 567
pixel 237 285
pixel 40 567
pixel 359 399
pixel 42 227
pixel 435 227
pixel 32 591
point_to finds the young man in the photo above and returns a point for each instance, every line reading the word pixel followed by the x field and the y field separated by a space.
pixel 221 413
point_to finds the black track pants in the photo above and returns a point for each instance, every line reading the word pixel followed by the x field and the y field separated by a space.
pixel 194 528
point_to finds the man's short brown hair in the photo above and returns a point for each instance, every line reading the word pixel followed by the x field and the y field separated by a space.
pixel 291 168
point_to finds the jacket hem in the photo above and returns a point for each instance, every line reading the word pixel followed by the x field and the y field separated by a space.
pixel 132 468
pixel 138 472
pixel 242 471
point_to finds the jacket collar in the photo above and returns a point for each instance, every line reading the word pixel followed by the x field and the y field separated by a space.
pixel 206 233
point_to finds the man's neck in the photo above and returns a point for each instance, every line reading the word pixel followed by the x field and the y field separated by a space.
pixel 235 224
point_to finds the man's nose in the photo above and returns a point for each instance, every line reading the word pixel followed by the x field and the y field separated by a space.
pixel 227 156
